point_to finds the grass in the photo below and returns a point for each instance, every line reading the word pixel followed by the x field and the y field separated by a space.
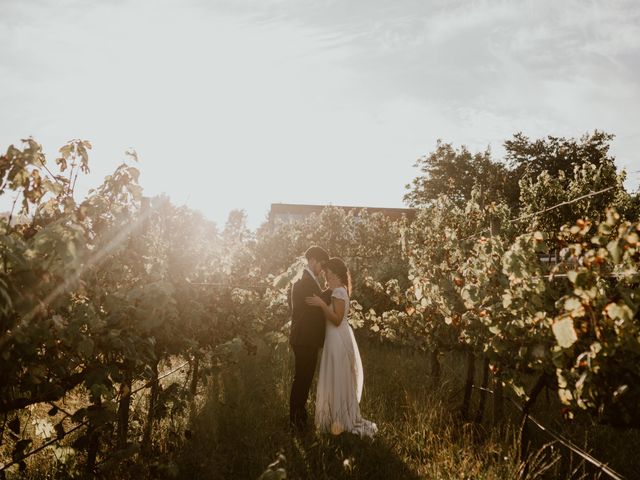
pixel 242 426
pixel 239 425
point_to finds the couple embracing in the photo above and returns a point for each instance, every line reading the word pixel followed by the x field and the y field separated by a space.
pixel 319 320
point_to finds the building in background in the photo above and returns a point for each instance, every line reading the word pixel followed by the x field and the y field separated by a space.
pixel 291 212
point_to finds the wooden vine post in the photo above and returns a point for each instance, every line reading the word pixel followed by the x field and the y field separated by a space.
pixel 468 384
pixel 483 391
pixel 435 367
pixel 524 430
pixel 498 390
pixel 123 410
pixel 498 401
pixel 153 405
pixel 94 442
pixel 193 387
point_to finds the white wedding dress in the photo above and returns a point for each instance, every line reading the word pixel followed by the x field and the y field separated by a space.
pixel 340 380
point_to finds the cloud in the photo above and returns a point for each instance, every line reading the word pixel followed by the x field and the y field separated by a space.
pixel 242 90
pixel 467 51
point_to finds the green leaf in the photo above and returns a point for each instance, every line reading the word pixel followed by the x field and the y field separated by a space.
pixel 619 311
pixel 63 454
pixel 59 428
pixel 20 448
pixel 604 229
pixel 565 396
pixel 519 391
pixel 577 278
pixel 572 304
pixel 85 347
pixel 614 249
pixel 507 299
pixel 564 332
pixel 418 292
pixel 78 415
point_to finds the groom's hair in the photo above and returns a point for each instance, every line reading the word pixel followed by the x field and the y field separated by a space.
pixel 317 253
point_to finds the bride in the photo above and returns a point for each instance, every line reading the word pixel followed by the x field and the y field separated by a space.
pixel 341 377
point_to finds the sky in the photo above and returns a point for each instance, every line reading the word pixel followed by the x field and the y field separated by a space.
pixel 237 104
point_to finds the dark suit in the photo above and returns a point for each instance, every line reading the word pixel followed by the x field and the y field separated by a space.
pixel 307 336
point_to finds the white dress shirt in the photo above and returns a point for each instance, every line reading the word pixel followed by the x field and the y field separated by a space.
pixel 313 276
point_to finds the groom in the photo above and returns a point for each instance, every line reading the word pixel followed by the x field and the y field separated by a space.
pixel 307 332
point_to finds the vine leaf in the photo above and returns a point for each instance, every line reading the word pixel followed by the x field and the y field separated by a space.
pixel 564 332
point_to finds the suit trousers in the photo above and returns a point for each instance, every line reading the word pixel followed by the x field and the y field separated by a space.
pixel 305 366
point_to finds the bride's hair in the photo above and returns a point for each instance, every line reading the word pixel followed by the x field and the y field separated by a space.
pixel 337 266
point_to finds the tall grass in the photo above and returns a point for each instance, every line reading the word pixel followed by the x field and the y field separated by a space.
pixel 243 426
pixel 238 425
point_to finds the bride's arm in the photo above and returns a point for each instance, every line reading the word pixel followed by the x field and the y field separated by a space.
pixel 333 313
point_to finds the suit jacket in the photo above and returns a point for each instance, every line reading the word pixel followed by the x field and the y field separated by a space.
pixel 307 322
